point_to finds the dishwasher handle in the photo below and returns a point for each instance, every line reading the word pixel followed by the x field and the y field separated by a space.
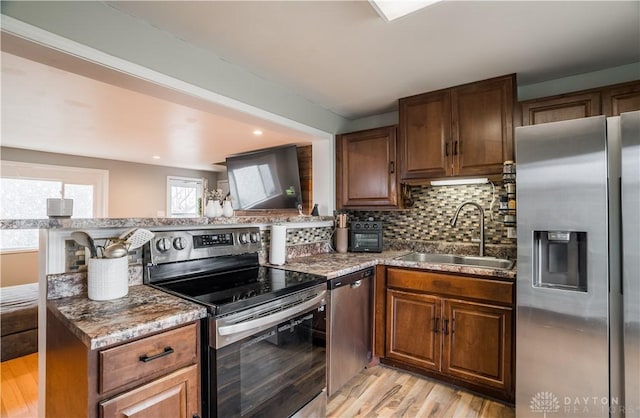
pixel 354 280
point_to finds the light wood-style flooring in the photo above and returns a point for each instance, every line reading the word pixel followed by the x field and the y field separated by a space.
pixel 19 387
pixel 376 392
pixel 385 392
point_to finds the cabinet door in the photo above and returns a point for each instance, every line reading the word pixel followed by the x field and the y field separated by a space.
pixel 482 126
pixel 477 343
pixel 366 169
pixel 173 396
pixel 621 98
pixel 425 136
pixel 413 336
pixel 563 107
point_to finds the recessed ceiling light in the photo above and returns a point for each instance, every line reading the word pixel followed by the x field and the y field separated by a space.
pixel 257 132
pixel 156 157
pixel 393 9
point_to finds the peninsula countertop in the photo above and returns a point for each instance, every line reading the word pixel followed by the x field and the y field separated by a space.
pixel 143 311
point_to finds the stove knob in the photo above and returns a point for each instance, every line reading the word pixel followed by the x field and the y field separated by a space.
pixel 244 238
pixel 255 237
pixel 178 244
pixel 163 244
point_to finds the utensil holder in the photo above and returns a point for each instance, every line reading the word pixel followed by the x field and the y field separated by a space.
pixel 108 278
pixel 342 239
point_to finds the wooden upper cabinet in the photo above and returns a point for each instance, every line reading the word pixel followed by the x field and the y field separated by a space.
pixel 563 107
pixel 608 101
pixel 425 135
pixel 461 131
pixel 366 174
pixel 621 98
pixel 483 126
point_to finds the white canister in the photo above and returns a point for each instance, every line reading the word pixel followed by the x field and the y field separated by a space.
pixel 213 209
pixel 108 278
pixel 227 209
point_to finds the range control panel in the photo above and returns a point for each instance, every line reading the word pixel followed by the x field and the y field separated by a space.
pixel 183 245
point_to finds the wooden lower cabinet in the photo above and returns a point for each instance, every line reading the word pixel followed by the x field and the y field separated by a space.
pixel 412 333
pixel 467 342
pixel 154 376
pixel 172 396
pixel 477 343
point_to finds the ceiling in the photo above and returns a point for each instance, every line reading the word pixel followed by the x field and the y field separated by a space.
pixel 339 55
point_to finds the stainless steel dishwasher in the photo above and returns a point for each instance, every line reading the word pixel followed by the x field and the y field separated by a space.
pixel 349 320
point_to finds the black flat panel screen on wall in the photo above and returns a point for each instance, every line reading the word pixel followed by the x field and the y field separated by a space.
pixel 265 179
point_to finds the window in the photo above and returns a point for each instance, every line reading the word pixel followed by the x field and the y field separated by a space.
pixel 24 189
pixel 184 197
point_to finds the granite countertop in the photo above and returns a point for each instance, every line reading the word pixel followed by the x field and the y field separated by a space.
pixel 143 311
pixel 88 223
pixel 146 310
pixel 333 265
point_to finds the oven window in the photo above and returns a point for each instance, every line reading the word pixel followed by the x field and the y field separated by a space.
pixel 275 372
pixel 366 240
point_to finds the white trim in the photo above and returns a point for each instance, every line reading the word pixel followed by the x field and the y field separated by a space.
pixel 42 37
pixel 186 179
pixel 77 175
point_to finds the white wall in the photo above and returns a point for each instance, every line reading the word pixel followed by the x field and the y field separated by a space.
pixel 18 268
pixel 614 75
pixel 135 190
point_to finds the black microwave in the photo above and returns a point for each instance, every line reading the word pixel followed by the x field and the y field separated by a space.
pixel 365 236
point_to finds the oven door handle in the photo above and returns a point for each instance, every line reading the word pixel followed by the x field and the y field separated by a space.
pixel 274 319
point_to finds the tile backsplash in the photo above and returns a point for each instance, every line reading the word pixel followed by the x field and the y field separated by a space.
pixel 428 219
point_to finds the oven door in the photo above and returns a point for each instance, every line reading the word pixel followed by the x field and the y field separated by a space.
pixel 275 371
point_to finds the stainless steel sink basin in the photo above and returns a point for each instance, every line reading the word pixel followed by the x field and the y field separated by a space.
pixel 465 260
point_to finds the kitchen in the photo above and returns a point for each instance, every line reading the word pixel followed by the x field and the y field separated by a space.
pixel 394 220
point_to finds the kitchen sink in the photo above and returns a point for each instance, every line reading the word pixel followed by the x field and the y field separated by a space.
pixel 465 260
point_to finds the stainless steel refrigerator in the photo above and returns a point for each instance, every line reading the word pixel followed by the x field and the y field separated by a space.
pixel 578 280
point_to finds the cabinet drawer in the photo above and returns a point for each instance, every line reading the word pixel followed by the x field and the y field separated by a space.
pixel 450 285
pixel 136 360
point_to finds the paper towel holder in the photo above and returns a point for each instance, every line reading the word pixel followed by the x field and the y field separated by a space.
pixel 278 244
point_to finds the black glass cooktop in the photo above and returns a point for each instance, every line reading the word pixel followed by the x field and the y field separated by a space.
pixel 231 291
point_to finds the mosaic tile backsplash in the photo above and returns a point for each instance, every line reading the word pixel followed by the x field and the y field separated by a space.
pixel 428 219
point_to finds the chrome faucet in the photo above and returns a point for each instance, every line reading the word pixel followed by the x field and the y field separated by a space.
pixel 453 221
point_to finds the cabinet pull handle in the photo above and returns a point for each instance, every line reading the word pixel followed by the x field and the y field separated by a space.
pixel 445 327
pixel 392 167
pixel 455 148
pixel 446 149
pixel 435 325
pixel 146 358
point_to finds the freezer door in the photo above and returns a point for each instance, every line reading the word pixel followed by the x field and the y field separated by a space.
pixel 630 190
pixel 562 346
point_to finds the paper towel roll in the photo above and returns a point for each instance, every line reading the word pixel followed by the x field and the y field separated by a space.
pixel 278 252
